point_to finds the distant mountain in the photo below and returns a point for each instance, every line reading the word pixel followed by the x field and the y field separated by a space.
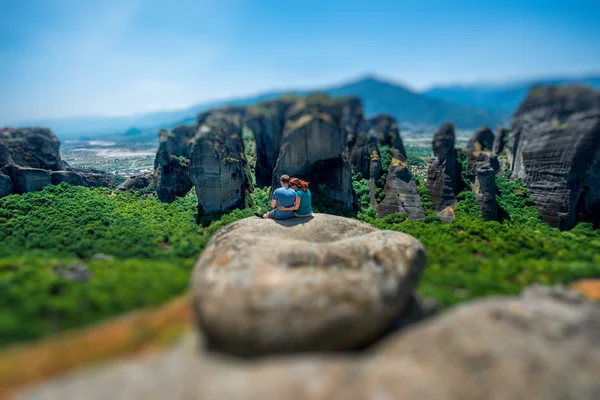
pixel 503 98
pixel 378 96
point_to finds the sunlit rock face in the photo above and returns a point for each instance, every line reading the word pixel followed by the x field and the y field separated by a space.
pixel 443 175
pixel 401 194
pixel 554 147
pixel 217 165
pixel 482 167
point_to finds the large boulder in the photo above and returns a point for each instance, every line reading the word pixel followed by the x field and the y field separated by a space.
pixel 313 149
pixel 543 345
pixel 6 185
pixel 325 283
pixel 443 174
pixel 554 147
pixel 401 193
pixel 30 147
pixel 217 164
pixel 171 163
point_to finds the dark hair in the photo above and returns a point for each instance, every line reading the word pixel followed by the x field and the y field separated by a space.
pixel 285 179
pixel 299 183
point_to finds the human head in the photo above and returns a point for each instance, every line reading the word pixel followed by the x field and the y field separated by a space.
pixel 284 180
pixel 299 184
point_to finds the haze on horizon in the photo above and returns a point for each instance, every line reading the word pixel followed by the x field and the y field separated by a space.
pixel 116 57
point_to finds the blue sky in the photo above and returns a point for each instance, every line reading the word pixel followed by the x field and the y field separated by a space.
pixel 72 57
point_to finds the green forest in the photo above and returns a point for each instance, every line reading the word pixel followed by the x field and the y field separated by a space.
pixel 152 246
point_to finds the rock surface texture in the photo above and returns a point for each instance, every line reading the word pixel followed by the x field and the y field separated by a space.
pixel 137 182
pixel 542 345
pixel 401 193
pixel 443 174
pixel 30 157
pixel 482 167
pixel 554 147
pixel 171 163
pixel 217 164
pixel 312 149
pixel 481 142
pixel 324 283
pixel 6 185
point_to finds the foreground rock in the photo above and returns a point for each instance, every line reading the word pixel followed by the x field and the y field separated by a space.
pixel 324 283
pixel 443 174
pixel 543 345
pixel 554 147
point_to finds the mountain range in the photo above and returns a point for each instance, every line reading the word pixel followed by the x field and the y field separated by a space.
pixel 467 106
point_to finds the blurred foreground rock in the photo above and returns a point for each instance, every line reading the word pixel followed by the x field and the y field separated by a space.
pixel 541 345
pixel 305 284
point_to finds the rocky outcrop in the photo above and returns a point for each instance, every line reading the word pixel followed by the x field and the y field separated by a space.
pixel 443 174
pixel 312 149
pixel 30 147
pixel 524 347
pixel 217 165
pixel 481 142
pixel 267 121
pixel 26 179
pixel 137 182
pixel 375 170
pixel 171 163
pixel 482 167
pixel 327 283
pixel 500 139
pixel 6 185
pixel 401 193
pixel 484 185
pixel 554 147
pixel 70 177
pixel 447 215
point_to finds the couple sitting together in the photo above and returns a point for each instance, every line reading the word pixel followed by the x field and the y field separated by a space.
pixel 292 199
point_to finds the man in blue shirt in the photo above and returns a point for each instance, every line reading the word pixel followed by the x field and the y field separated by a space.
pixel 283 196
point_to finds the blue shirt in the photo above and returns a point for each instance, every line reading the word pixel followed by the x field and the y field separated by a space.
pixel 286 197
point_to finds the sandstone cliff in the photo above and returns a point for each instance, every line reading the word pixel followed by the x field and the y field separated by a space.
pixel 554 147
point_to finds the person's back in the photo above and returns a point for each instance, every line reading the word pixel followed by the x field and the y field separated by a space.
pixel 305 202
pixel 285 197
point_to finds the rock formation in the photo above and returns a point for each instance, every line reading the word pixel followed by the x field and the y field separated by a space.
pixel 312 148
pixel 267 121
pixel 484 185
pixel 482 167
pixel 481 142
pixel 217 165
pixel 171 163
pixel 541 345
pixel 500 139
pixel 554 147
pixel 6 185
pixel 30 157
pixel 326 283
pixel 137 182
pixel 375 170
pixel 31 147
pixel 401 193
pixel 443 175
